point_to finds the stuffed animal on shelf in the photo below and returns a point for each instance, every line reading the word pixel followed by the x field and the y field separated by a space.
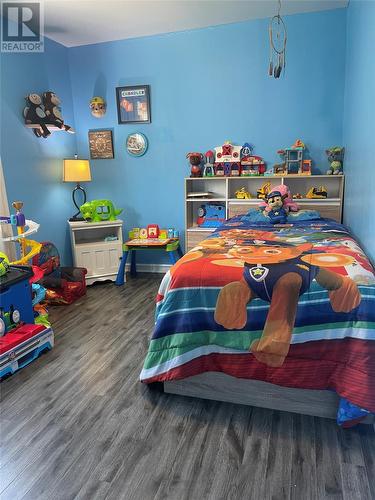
pixel 335 157
pixel 51 104
pixel 34 114
pixel 195 160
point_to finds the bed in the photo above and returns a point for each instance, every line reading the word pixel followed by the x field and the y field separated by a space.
pixel 279 316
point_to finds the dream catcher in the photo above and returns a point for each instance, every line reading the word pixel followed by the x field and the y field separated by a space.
pixel 277 33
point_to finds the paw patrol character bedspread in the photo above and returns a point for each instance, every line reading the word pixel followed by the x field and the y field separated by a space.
pixel 291 304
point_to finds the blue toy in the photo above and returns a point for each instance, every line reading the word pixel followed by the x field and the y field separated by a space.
pixel 211 215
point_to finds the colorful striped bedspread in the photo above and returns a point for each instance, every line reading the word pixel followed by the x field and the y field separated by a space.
pixel 293 305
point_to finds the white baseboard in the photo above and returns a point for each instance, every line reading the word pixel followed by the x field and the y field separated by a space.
pixel 150 268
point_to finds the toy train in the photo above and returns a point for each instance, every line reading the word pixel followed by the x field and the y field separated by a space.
pixel 9 320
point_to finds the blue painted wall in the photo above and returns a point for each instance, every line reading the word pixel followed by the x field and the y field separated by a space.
pixel 359 123
pixel 208 86
pixel 33 167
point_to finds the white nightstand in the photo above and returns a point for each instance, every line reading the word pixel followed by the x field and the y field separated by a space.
pixel 94 248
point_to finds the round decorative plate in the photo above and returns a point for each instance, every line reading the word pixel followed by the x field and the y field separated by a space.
pixel 136 144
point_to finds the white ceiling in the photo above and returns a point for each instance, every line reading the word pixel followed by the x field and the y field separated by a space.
pixel 83 22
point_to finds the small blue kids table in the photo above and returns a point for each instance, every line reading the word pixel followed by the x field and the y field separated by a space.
pixel 170 245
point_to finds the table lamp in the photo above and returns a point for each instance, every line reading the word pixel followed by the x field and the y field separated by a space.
pixel 77 170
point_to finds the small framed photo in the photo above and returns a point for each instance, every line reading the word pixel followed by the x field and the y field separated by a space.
pixel 101 144
pixel 133 104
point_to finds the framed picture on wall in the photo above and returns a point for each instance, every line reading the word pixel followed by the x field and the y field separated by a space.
pixel 101 144
pixel 133 104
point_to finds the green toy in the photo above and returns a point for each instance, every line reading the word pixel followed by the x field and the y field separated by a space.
pixel 99 210
pixel 335 157
pixel 4 264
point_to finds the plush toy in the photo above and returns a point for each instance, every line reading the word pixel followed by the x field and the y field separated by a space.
pixel 336 158
pixel 279 273
pixel 34 114
pixel 195 160
pixel 276 212
pixel 288 205
pixel 53 112
pixel 99 210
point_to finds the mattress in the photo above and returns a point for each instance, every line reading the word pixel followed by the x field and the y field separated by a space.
pixel 291 304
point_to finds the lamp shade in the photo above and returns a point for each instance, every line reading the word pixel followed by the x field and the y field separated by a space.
pixel 76 170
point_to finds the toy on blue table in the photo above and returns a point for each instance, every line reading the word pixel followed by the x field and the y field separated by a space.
pixel 209 170
pixel 99 210
pixel 277 212
pixel 228 160
pixel 211 215
pixel 251 165
pixel 195 160
pixel 335 157
pixel 153 231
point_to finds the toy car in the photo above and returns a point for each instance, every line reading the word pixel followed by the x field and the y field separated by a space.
pixel 317 192
pixel 243 194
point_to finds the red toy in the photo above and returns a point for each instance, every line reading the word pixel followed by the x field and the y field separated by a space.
pixel 153 231
pixel 195 160
pixel 64 284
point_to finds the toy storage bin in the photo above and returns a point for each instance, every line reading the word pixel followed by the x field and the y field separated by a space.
pixel 15 290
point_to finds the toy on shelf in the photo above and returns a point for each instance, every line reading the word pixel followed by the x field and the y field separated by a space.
pixel 163 234
pixel 297 196
pixel 208 170
pixel 263 191
pixel 153 231
pixel 228 160
pixel 195 160
pixel 251 165
pixel 242 194
pixel 317 193
pixel 284 192
pixel 99 211
pixel 335 157
pixel 143 233
pixel 305 168
pixel 292 159
pixel 211 215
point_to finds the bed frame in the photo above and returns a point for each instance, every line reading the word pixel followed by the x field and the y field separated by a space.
pixel 221 387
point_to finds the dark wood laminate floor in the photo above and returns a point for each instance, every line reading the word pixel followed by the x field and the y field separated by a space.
pixel 77 424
